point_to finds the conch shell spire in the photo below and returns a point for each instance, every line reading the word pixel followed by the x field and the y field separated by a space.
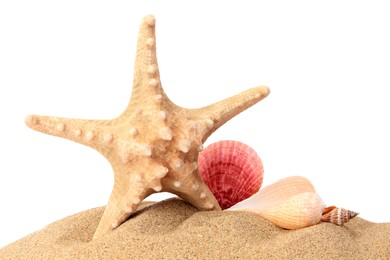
pixel 337 216
pixel 153 145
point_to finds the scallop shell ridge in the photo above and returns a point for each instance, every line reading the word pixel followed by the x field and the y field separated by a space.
pixel 232 170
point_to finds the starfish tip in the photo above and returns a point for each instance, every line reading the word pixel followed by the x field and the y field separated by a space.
pixel 261 92
pixel 30 121
pixel 265 90
pixel 150 20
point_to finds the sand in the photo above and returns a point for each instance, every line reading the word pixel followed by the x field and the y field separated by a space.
pixel 173 229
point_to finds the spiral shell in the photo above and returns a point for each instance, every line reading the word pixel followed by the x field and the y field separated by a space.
pixel 290 203
pixel 337 216
pixel 232 170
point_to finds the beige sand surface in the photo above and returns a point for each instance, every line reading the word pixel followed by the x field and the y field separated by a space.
pixel 173 229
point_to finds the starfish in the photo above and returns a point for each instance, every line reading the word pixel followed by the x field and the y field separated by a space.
pixel 153 145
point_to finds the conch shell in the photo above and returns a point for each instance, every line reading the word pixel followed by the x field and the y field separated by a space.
pixel 232 170
pixel 290 203
pixel 337 216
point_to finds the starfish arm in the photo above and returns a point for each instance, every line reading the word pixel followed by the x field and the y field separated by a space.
pixel 211 117
pixel 132 184
pixel 192 189
pixel 118 209
pixel 85 132
pixel 122 203
pixel 147 89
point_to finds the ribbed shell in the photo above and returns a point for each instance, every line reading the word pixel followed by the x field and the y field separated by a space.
pixel 337 216
pixel 290 203
pixel 232 170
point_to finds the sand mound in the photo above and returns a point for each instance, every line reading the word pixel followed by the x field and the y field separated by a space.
pixel 174 229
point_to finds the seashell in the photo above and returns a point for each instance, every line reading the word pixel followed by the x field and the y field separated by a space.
pixel 337 216
pixel 290 203
pixel 232 170
pixel 328 209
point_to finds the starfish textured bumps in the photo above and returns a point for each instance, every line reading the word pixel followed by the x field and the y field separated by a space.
pixel 153 145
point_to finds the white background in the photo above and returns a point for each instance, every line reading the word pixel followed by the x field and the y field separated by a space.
pixel 327 117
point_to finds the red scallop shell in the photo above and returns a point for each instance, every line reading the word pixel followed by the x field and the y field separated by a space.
pixel 232 170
